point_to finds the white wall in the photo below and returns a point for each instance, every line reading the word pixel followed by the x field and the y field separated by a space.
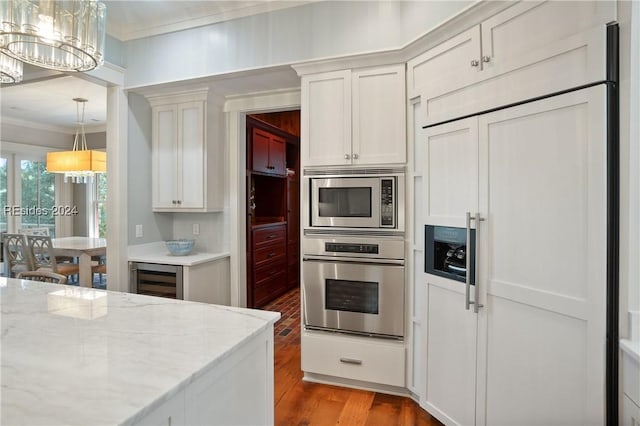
pixel 158 226
pixel 29 135
pixel 317 30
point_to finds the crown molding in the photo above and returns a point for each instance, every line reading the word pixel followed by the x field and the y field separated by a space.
pixel 51 127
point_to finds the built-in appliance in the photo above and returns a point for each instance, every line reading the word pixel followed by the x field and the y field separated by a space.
pixel 155 279
pixel 354 284
pixel 359 198
pixel 447 253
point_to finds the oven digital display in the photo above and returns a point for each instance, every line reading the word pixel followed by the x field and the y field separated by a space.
pixel 351 248
pixel 351 296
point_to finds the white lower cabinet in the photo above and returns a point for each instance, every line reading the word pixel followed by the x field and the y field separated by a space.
pixel 238 390
pixel 534 353
pixel 351 357
pixel 169 413
pixel 630 370
pixel 630 412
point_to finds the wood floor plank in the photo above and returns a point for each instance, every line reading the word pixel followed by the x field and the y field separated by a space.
pixel 303 403
pixel 356 409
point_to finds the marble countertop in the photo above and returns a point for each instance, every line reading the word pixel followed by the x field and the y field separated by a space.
pixel 158 253
pixel 79 356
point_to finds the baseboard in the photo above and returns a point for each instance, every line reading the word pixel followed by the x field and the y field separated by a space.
pixel 356 384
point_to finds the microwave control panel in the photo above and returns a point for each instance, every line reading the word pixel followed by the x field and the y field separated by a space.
pixel 387 208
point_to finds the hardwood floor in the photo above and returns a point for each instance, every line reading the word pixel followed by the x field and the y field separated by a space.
pixel 301 403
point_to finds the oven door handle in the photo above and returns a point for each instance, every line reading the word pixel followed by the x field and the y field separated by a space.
pixel 334 259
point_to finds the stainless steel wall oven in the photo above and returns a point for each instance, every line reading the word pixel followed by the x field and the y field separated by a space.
pixel 354 284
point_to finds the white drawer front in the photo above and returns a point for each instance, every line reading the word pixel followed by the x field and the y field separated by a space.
pixel 356 358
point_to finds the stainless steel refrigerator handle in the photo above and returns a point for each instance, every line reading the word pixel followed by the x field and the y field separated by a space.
pixel 467 282
pixel 476 292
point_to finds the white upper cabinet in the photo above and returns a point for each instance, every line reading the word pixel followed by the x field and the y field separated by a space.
pixel 529 49
pixel 379 124
pixel 454 63
pixel 354 117
pixel 181 158
pixel 326 118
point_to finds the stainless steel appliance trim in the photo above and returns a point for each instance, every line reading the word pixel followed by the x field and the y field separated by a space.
pixel 353 333
pixel 353 260
pixel 353 232
pixel 354 171
pixel 388 248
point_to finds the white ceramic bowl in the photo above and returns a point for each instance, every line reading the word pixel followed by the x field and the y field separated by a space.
pixel 180 247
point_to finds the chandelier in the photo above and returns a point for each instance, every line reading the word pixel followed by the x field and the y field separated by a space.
pixel 63 35
pixel 10 69
pixel 80 164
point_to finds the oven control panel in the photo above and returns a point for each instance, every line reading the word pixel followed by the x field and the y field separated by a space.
pixel 351 248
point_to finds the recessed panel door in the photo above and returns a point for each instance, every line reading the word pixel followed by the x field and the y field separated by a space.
pixel 191 160
pixel 542 262
pixel 451 172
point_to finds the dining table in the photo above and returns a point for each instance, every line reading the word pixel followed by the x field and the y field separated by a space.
pixel 83 248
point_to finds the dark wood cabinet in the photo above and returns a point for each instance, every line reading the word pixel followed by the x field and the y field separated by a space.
pixel 273 203
pixel 268 153
pixel 269 262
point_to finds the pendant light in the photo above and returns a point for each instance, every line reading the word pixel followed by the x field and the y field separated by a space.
pixel 10 69
pixel 63 35
pixel 80 164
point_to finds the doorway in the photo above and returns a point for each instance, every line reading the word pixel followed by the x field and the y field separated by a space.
pixel 272 205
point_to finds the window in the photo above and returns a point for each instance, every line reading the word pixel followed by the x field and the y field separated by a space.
pixel 27 193
pixel 37 196
pixel 100 206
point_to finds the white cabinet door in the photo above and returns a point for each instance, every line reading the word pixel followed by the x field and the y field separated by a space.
pixel 164 154
pixel 511 63
pixel 179 155
pixel 450 353
pixel 451 172
pixel 379 119
pixel 326 119
pixel 454 63
pixel 506 37
pixel 191 155
pixel 542 260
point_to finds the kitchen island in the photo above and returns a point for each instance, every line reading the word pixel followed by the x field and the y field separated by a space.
pixel 78 356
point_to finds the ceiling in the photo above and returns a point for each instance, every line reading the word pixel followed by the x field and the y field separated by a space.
pixel 44 98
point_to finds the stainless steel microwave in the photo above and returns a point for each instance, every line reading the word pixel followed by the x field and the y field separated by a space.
pixel 372 199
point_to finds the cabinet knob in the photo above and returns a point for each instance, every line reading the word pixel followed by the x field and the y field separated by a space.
pixel 486 58
pixel 179 201
pixel 475 63
pixel 355 156
pixel 174 202
pixel 346 156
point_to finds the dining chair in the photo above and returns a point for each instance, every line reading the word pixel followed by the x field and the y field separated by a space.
pixel 44 276
pixel 43 257
pixel 100 269
pixel 16 254
pixel 34 231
